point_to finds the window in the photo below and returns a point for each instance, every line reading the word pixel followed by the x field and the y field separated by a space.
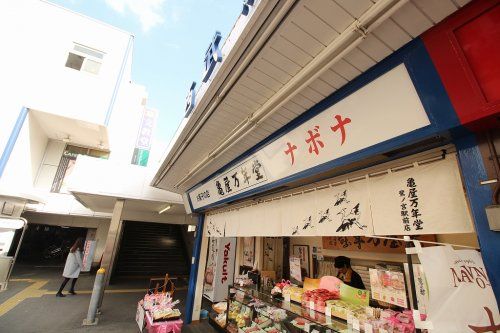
pixel 83 58
pixel 68 161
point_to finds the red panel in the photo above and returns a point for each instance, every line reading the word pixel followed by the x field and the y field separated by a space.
pixel 480 42
pixel 465 50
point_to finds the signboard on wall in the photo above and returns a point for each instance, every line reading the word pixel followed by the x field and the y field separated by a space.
pixel 354 123
pixel 458 279
pixel 219 272
pixel 144 137
pixel 370 244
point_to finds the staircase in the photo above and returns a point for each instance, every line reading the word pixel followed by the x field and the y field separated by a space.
pixel 151 249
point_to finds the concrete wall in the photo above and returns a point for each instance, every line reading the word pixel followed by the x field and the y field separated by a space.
pixel 49 165
pixel 27 155
pixel 34 68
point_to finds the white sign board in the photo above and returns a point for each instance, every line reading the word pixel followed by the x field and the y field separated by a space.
pixel 460 295
pixel 219 271
pixel 423 199
pixel 383 109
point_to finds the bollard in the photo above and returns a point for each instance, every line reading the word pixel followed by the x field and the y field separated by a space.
pixel 94 299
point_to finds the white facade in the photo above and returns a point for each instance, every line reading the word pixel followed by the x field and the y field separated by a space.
pixel 72 78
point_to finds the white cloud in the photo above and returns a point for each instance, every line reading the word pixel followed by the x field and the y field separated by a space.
pixel 149 12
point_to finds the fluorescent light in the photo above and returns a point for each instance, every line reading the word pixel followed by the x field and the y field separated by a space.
pixel 165 209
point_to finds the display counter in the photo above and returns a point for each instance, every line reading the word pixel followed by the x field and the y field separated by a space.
pixel 252 310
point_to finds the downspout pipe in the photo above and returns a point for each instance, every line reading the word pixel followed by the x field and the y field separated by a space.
pixel 118 81
pixel 14 134
pixel 193 274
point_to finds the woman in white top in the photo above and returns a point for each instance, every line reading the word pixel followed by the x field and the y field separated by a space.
pixel 74 265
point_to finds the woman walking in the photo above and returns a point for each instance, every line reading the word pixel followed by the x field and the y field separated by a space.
pixel 74 265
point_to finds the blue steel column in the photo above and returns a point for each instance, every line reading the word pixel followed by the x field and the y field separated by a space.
pixel 480 196
pixel 12 139
pixel 193 275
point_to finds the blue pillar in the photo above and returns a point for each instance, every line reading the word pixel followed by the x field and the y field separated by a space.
pixel 193 275
pixel 12 139
pixel 480 196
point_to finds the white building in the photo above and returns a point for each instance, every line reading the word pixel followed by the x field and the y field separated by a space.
pixel 69 106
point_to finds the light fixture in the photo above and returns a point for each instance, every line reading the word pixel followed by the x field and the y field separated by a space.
pixel 165 209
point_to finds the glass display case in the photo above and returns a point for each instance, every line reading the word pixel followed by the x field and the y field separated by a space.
pixel 252 310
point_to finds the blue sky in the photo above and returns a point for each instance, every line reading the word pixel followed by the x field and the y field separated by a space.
pixel 171 37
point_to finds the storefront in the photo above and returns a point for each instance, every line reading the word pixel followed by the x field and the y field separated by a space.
pixel 390 170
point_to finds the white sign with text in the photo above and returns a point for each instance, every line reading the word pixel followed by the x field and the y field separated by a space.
pixel 381 110
pixel 460 295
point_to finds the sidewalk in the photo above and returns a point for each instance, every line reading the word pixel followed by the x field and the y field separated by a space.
pixel 30 305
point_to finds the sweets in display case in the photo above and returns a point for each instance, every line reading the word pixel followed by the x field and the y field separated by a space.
pixel 316 299
pixel 294 292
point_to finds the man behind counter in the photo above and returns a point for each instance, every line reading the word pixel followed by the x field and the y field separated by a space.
pixel 346 274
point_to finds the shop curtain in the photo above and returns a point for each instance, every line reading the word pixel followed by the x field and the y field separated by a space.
pixel 423 199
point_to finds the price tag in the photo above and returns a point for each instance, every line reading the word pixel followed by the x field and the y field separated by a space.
pixel 315 331
pixel 328 311
pixel 349 318
pixel 368 328
pixel 381 330
pixel 355 324
pixel 370 311
pixel 287 298
pixel 311 305
pixel 307 327
pixel 328 320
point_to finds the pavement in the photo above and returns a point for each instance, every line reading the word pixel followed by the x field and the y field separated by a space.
pixel 29 304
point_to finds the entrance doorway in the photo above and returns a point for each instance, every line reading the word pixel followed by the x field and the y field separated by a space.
pixel 48 245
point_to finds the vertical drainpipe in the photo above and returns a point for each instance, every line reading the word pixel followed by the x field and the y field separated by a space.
pixel 480 196
pixel 118 81
pixel 193 274
pixel 9 147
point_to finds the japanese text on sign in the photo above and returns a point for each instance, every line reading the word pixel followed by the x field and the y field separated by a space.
pixel 245 175
pixel 313 138
pixel 369 244
pixel 409 207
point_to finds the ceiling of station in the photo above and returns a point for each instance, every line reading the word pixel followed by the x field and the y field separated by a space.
pixel 308 32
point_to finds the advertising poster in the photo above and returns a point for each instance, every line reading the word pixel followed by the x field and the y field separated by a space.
pixel 421 287
pixel 460 295
pixel 219 272
pixel 354 295
pixel 88 254
pixel 302 252
pixel 248 251
pixel 388 287
pixel 295 272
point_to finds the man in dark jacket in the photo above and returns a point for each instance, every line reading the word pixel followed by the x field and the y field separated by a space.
pixel 346 274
